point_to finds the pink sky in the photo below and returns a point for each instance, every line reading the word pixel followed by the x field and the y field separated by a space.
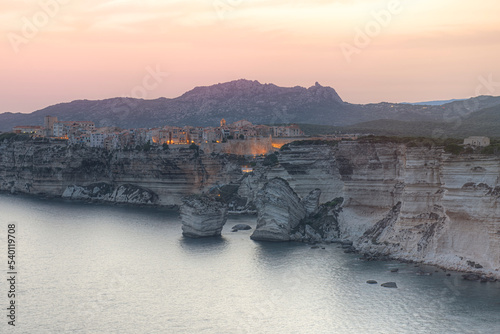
pixel 417 51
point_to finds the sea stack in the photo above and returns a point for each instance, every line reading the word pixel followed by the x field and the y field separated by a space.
pixel 202 216
pixel 279 211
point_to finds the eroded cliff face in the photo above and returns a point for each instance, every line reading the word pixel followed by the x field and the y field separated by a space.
pixel 280 211
pixel 202 216
pixel 413 203
pixel 422 204
pixel 155 177
pixel 305 168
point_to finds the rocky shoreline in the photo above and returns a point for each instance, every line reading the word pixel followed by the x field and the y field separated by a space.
pixel 346 245
pixel 413 203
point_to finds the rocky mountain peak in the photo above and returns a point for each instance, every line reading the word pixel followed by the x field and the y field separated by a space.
pixel 225 90
pixel 248 89
pixel 322 92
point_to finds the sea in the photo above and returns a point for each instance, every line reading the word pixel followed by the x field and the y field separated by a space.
pixel 100 268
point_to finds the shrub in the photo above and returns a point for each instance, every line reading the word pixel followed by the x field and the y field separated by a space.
pixel 285 147
pixel 270 160
pixel 7 135
pixel 336 201
pixel 146 147
pixel 453 149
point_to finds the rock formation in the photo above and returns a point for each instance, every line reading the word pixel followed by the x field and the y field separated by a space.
pixel 161 177
pixel 126 193
pixel 413 203
pixel 422 204
pixel 311 201
pixel 321 224
pixel 241 227
pixel 279 211
pixel 202 216
pixel 389 285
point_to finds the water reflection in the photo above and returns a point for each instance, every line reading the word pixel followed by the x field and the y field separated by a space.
pixel 204 246
pixel 272 257
pixel 134 261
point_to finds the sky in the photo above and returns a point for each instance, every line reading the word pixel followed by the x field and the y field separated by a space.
pixel 55 51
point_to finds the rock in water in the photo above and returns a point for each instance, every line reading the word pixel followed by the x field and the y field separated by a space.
pixel 389 285
pixel 279 211
pixel 471 277
pixel 371 281
pixel 202 216
pixel 241 227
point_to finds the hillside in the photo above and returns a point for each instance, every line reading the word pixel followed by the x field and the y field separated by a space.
pixel 485 122
pixel 243 99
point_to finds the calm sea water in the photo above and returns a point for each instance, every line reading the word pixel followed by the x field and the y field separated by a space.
pixel 88 268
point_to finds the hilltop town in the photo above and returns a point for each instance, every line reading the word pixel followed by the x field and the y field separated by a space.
pixel 241 137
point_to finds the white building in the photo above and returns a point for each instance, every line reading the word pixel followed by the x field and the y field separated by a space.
pixel 287 131
pixel 64 128
pixel 58 129
pixel 97 139
pixel 477 141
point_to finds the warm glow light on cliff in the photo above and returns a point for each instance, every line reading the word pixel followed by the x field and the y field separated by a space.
pixel 369 50
pixel 255 151
pixel 277 145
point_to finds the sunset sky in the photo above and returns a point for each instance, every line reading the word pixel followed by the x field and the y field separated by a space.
pixel 415 50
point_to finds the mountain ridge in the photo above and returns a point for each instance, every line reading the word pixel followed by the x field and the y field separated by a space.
pixel 242 99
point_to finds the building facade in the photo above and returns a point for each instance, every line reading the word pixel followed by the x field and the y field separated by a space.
pixel 477 141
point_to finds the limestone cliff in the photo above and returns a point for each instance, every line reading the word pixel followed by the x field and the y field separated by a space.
pixel 279 211
pixel 154 177
pixel 126 193
pixel 202 216
pixel 305 168
pixel 423 204
pixel 416 203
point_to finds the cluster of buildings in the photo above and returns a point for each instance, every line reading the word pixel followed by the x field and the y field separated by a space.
pixel 239 137
pixel 85 133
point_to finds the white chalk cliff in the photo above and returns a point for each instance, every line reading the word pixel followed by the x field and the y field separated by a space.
pixel 159 177
pixel 415 203
pixel 279 211
pixel 202 216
